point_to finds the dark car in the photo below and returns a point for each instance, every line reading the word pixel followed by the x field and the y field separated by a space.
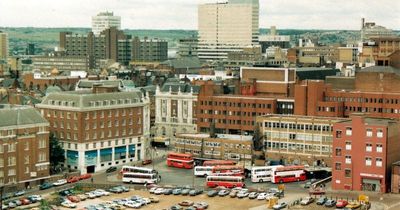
pixel 330 203
pixel 111 169
pixel 212 193
pixel 116 190
pixel 195 192
pixel 45 185
pixel 321 201
pixel 167 192
pixel 65 192
pixel 176 207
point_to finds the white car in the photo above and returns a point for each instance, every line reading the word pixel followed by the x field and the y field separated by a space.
pixel 102 192
pixel 60 182
pixel 152 189
pixel 68 204
pixel 133 204
pixel 159 191
pixel 243 193
pixel 36 197
pixel 146 200
pixel 262 196
pixel 91 195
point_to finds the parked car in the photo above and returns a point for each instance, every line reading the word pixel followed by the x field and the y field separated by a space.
pixel 279 206
pixel 186 203
pixel 341 203
pixel 73 198
pixel 17 202
pixel 65 192
pixel 307 200
pixel 195 192
pixel 116 190
pixel 132 204
pixel 167 191
pixel 68 204
pixel 19 193
pixel 25 201
pixel 307 184
pixel 243 193
pixel 91 195
pixel 176 207
pixel 11 204
pixel 73 179
pixel 151 190
pixel 212 193
pixel 124 188
pixel 35 198
pixel 146 162
pixel 45 185
pixel 353 205
pixel 253 195
pixel 200 205
pixel 176 191
pixel 330 203
pixel 60 182
pixel 223 193
pixel 111 169
pixel 82 197
pixel 321 201
pixel 154 199
pixel 185 191
pixel 85 176
pixel 233 193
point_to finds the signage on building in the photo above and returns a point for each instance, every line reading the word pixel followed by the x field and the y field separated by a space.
pixel 371 175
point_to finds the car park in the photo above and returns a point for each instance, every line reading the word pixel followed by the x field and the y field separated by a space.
pixel 341 203
pixel 330 203
pixel 307 200
pixel 60 182
pixel 195 192
pixel 253 195
pixel 223 193
pixel 321 201
pixel 212 193
pixel 186 203
pixel 279 206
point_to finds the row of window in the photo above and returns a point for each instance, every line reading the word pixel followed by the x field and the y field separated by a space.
pixel 312 127
pixel 368 148
pixel 236 104
pixel 212 144
pixel 363 100
pixel 368 162
pixel 297 136
pixel 99 144
pixel 368 132
pixel 297 147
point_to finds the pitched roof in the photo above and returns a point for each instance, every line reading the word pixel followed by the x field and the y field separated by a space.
pixel 19 115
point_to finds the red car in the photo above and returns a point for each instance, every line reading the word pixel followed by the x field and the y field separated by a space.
pixel 85 176
pixel 74 198
pixel 25 201
pixel 341 203
pixel 73 179
pixel 146 162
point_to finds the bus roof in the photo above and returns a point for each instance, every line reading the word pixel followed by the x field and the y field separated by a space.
pixel 180 154
pixel 289 168
pixel 228 167
pixel 219 162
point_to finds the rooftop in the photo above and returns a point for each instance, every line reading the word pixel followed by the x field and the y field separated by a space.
pixel 219 136
pixel 11 115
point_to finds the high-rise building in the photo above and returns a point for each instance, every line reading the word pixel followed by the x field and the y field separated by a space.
pixel 24 150
pixel 227 27
pixel 105 20
pixel 3 45
pixel 370 29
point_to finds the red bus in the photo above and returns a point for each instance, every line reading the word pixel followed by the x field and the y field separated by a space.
pixel 228 171
pixel 288 174
pixel 219 163
pixel 180 160
pixel 226 181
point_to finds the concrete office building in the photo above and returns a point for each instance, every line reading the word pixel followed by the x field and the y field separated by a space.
pixel 3 45
pixel 24 149
pixel 99 128
pixel 227 27
pixel 188 47
pixel 364 150
pixel 300 140
pixel 62 63
pixel 105 20
pixel 149 50
pixel 273 39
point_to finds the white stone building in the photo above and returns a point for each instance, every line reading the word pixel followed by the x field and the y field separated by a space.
pixel 103 21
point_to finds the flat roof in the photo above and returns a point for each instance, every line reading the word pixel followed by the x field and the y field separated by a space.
pixel 219 136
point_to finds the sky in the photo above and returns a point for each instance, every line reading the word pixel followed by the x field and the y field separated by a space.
pixel 182 14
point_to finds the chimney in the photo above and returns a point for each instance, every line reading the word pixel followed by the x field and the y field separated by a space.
pixel 362 23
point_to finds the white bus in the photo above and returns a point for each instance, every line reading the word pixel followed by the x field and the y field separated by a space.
pixel 203 170
pixel 262 173
pixel 141 170
pixel 140 178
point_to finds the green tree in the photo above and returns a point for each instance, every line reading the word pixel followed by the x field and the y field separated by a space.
pixel 56 152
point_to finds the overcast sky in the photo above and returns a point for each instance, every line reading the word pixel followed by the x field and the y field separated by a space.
pixel 182 14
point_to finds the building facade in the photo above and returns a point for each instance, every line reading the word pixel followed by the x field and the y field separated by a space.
pixel 62 63
pixel 105 20
pixel 188 47
pixel 224 147
pixel 299 140
pixel 226 27
pixel 364 150
pixel 175 109
pixel 3 45
pixel 99 128
pixel 24 152
pixel 149 50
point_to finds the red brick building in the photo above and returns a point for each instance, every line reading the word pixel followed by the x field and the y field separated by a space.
pixel 364 150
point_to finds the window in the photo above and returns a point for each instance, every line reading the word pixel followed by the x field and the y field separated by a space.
pixel 42 156
pixel 368 161
pixel 11 172
pixel 348 159
pixel 26 159
pixel 338 152
pixel 338 134
pixel 369 132
pixel 368 148
pixel 12 161
pixel 379 148
pixel 378 162
pixel 379 133
pixel 348 145
pixel 349 131
pixel 26 145
pixel 347 173
pixel 11 147
pixel 42 143
pixel 338 166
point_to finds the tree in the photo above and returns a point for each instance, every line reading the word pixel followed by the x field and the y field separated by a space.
pixel 56 152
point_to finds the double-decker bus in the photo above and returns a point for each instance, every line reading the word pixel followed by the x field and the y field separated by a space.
pixel 203 170
pixel 141 178
pixel 140 170
pixel 180 160
pixel 288 174
pixel 228 171
pixel 219 163
pixel 262 173
pixel 225 181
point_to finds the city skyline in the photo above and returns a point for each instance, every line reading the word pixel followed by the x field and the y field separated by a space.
pixel 285 14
